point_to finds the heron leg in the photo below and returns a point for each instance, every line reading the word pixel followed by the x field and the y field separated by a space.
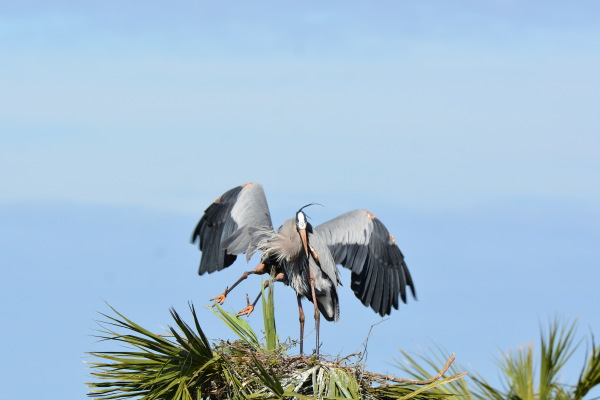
pixel 301 318
pixel 317 313
pixel 250 307
pixel 259 270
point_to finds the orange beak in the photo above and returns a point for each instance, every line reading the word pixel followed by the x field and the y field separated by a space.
pixel 304 240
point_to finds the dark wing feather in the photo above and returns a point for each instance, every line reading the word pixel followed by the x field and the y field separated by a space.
pixel 224 231
pixel 360 242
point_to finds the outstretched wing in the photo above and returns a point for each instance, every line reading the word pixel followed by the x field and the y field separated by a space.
pixel 360 242
pixel 224 231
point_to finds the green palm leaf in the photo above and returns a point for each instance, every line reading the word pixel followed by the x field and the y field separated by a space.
pixel 268 307
pixel 238 326
pixel 590 374
pixel 556 350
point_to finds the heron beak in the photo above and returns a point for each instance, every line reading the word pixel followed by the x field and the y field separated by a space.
pixel 304 240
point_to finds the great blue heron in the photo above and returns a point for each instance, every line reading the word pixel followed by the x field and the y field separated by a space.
pixel 304 257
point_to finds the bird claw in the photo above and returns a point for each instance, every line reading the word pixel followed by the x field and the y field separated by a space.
pixel 220 299
pixel 246 311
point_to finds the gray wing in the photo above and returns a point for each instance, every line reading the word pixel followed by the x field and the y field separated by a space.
pixel 327 278
pixel 225 229
pixel 360 242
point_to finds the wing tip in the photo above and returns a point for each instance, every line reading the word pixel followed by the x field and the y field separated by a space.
pixel 196 233
pixel 393 239
pixel 414 292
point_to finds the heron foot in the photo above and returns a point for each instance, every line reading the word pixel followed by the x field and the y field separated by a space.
pixel 246 311
pixel 220 299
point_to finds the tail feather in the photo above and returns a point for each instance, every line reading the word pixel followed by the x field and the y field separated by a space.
pixel 329 305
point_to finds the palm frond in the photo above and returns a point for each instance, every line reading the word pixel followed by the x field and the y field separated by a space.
pixel 238 326
pixel 556 350
pixel 268 306
pixel 590 374
pixel 323 382
pixel 517 370
pixel 155 367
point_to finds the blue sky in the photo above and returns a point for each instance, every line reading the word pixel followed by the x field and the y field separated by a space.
pixel 470 128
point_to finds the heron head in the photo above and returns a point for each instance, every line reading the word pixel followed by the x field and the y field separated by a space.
pixel 301 222
pixel 301 227
pixel 301 218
